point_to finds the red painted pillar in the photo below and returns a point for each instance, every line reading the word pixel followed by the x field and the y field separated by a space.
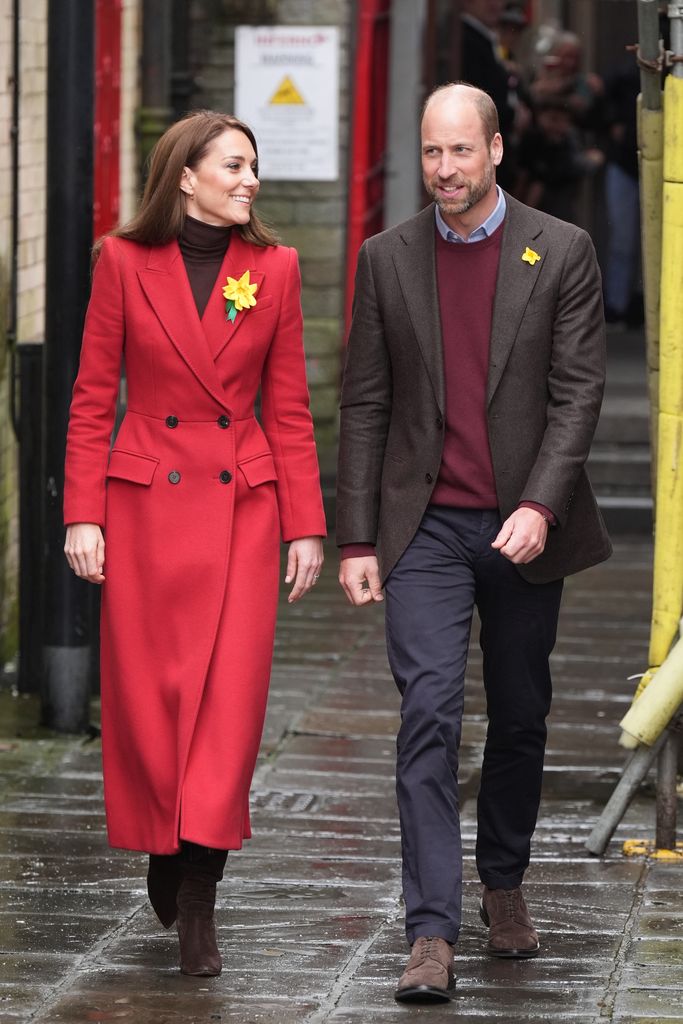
pixel 365 215
pixel 107 114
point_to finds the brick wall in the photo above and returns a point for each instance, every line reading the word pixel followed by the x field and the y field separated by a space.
pixel 308 215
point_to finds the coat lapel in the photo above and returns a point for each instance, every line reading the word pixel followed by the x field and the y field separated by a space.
pixel 415 261
pixel 516 281
pixel 240 256
pixel 166 285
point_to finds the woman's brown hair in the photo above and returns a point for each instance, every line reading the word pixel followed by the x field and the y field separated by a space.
pixel 161 214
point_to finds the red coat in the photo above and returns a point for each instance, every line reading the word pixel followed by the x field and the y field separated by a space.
pixel 193 498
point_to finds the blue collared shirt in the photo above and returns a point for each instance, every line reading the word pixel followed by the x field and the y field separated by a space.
pixel 484 230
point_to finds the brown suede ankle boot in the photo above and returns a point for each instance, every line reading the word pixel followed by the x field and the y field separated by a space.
pixel 164 876
pixel 199 955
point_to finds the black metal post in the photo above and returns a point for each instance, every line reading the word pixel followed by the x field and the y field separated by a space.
pixel 30 363
pixel 70 107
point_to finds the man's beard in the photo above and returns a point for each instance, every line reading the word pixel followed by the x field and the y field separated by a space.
pixel 474 192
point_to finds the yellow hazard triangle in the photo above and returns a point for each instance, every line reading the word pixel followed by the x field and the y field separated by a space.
pixel 287 93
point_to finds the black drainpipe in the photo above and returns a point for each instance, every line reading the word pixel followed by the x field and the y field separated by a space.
pixel 67 616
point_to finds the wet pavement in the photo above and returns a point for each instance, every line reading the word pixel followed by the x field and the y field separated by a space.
pixel 309 914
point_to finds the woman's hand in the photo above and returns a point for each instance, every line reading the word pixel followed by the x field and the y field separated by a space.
pixel 84 550
pixel 304 563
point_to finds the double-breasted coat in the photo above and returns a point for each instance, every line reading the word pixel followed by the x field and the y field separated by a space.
pixel 193 497
pixel 545 383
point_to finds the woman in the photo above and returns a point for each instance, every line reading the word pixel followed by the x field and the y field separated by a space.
pixel 203 305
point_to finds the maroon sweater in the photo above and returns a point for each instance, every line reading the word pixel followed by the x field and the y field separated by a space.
pixel 466 279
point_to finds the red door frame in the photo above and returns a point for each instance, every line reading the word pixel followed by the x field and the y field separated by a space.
pixel 365 214
pixel 107 115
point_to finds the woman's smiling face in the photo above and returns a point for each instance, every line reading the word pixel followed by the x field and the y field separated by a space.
pixel 220 190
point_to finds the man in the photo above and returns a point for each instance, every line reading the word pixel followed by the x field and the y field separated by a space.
pixel 471 393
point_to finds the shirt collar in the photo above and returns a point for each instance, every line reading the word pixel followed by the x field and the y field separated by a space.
pixel 485 230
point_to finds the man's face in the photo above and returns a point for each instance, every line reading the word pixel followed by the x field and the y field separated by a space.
pixel 458 167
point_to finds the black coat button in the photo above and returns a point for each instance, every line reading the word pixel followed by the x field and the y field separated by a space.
pixel 174 476
pixel 428 477
pixel 225 476
pixel 223 422
pixel 171 421
pixel 439 422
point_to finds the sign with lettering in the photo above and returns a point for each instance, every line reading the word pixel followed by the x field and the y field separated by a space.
pixel 287 91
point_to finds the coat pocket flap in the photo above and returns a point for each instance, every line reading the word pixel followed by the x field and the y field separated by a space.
pixel 259 469
pixel 139 469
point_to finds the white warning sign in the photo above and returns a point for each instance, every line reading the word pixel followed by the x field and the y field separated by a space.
pixel 287 90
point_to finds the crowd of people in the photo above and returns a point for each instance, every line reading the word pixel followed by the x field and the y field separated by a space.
pixel 562 124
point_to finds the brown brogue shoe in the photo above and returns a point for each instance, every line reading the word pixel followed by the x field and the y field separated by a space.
pixel 511 931
pixel 429 975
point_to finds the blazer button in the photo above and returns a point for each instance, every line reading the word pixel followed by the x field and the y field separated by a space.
pixel 225 476
pixel 174 476
pixel 223 422
pixel 439 422
pixel 429 478
pixel 171 421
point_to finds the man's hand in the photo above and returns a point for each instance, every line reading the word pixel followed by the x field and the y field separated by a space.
pixel 522 536
pixel 359 578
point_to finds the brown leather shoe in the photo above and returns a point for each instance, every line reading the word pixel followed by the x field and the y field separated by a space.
pixel 511 930
pixel 199 955
pixel 429 975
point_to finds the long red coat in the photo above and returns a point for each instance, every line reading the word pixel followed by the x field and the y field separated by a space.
pixel 193 499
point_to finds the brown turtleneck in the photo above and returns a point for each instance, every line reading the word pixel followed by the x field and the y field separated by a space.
pixel 203 247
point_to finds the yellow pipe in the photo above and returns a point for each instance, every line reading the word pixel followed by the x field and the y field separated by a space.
pixel 667 600
pixel 656 706
pixel 650 150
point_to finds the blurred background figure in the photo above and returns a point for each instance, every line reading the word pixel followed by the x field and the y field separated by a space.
pixel 623 282
pixel 560 78
pixel 552 161
pixel 483 66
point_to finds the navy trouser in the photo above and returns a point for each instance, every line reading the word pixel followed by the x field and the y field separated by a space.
pixel 449 568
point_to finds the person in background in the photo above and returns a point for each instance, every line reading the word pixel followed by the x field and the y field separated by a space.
pixel 483 66
pixel 561 79
pixel 623 285
pixel 180 521
pixel 552 163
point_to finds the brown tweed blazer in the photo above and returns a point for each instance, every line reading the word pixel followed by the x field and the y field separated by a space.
pixel 546 378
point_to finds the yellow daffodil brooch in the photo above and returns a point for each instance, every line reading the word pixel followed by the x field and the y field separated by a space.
pixel 529 256
pixel 239 295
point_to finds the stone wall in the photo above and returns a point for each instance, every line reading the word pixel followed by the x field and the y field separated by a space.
pixel 311 216
pixel 31 267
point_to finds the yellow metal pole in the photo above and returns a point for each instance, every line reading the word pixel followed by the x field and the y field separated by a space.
pixel 650 147
pixel 668 563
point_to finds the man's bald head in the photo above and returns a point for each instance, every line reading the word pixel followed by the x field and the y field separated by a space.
pixel 462 92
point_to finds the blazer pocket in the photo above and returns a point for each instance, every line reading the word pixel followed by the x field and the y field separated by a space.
pixel 263 303
pixel 259 469
pixel 137 469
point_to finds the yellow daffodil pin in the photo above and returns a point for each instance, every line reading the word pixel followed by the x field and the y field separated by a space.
pixel 529 256
pixel 239 295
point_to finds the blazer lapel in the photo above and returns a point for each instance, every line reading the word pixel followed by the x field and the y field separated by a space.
pixel 240 256
pixel 166 285
pixel 516 281
pixel 415 263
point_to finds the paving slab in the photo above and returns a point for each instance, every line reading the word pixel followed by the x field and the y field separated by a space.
pixel 309 916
